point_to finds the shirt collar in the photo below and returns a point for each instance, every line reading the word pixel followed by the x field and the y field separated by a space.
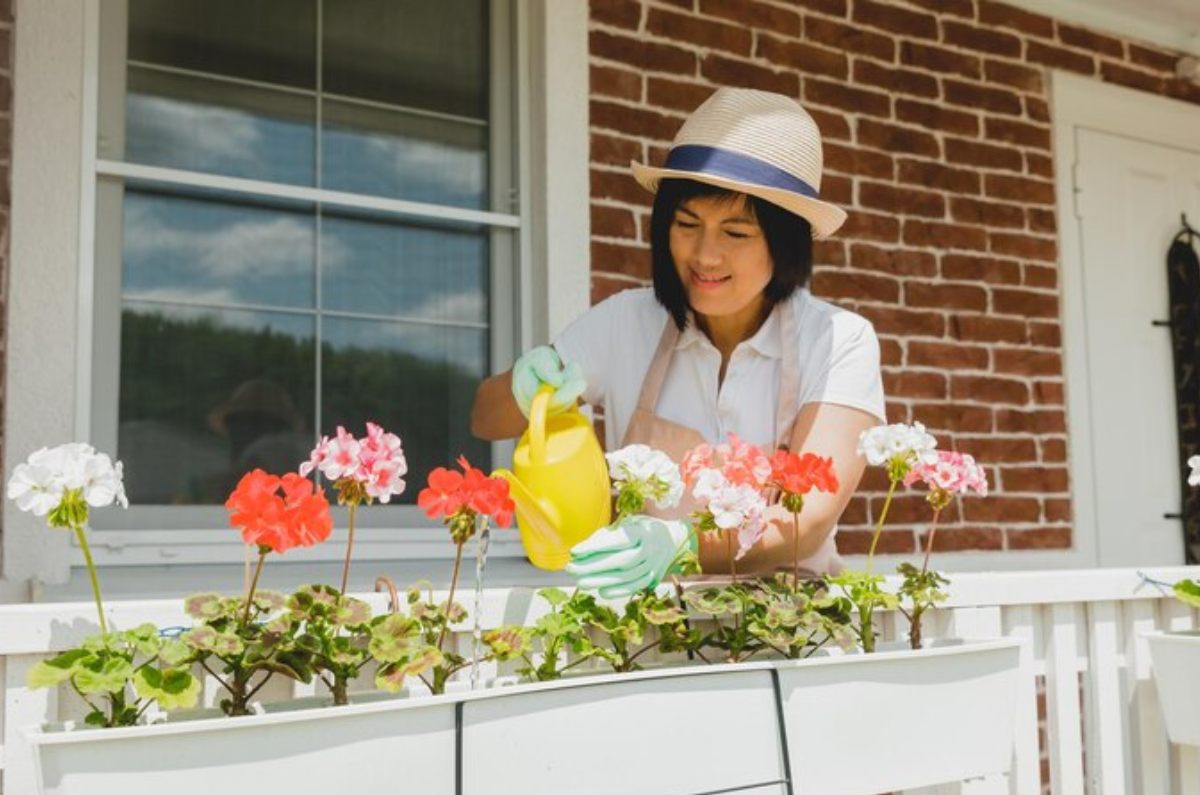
pixel 765 341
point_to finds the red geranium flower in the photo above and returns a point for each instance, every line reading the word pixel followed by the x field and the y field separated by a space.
pixel 299 518
pixel 459 498
pixel 485 495
pixel 444 495
pixel 800 473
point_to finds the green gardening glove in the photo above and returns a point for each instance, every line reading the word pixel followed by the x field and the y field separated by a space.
pixel 542 366
pixel 629 556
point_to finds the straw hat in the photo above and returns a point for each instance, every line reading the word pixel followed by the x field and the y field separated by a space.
pixel 754 142
pixel 257 396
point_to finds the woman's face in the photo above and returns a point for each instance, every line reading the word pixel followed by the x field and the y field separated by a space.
pixel 721 255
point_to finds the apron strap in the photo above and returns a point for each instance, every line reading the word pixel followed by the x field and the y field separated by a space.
pixel 789 377
pixel 656 374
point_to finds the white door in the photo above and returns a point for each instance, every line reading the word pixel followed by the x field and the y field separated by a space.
pixel 1130 194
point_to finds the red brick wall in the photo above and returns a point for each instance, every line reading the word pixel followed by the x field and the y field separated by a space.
pixel 937 141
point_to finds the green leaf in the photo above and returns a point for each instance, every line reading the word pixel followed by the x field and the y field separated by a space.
pixel 1188 592
pixel 56 670
pixel 391 677
pixel 209 606
pixel 174 652
pixel 112 642
pixel 661 612
pixel 352 612
pixel 556 625
pixel 281 624
pixel 103 675
pixel 455 613
pixel 348 651
pixel 172 688
pixel 555 596
pixel 293 664
pixel 144 638
pixel 714 601
pixel 507 643
pixel 207 639
pixel 393 638
pixel 269 601
pixel 314 601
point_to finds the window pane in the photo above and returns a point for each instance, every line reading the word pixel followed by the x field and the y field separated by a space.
pixel 400 155
pixel 207 395
pixel 406 106
pixel 270 41
pixel 427 55
pixel 416 381
pixel 388 268
pixel 197 250
pixel 196 123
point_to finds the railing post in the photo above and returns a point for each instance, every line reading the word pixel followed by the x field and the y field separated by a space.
pixel 1025 778
pixel 1108 754
pixel 1063 719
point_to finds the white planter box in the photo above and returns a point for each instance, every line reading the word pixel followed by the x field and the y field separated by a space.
pixel 1176 660
pixel 837 725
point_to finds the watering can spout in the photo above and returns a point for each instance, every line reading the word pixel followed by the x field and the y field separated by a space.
pixel 536 518
pixel 559 482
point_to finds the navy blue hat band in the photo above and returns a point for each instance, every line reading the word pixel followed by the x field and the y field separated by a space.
pixel 733 165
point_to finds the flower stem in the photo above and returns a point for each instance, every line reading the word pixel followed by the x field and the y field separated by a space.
pixel 796 550
pixel 91 567
pixel 450 601
pixel 929 543
pixel 732 559
pixel 247 555
pixel 349 545
pixel 879 525
pixel 262 557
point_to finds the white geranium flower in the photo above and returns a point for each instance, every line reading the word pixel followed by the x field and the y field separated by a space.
pixel 35 489
pixel 103 483
pixel 898 446
pixel 1194 477
pixel 649 473
pixel 709 483
pixel 39 485
pixel 734 505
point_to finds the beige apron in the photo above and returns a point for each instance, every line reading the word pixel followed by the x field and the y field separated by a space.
pixel 674 439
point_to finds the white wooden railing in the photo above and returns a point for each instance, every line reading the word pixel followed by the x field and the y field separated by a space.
pixel 1103 730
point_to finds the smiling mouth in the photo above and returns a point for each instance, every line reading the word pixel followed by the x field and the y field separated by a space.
pixel 709 281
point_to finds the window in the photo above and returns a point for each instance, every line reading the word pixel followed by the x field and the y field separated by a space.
pixel 306 216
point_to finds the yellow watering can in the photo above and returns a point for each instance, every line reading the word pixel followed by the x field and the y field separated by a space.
pixel 559 483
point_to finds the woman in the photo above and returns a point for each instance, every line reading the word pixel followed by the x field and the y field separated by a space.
pixel 728 340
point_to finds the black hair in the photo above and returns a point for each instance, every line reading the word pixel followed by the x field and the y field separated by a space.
pixel 789 242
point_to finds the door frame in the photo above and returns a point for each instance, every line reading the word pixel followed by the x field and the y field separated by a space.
pixel 1083 103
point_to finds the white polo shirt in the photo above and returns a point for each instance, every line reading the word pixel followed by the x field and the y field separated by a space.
pixel 614 341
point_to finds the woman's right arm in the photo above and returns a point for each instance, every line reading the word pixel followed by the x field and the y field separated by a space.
pixel 495 414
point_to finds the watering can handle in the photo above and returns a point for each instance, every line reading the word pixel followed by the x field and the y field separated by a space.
pixel 537 424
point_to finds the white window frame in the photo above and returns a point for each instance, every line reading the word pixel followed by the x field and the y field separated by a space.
pixel 58 52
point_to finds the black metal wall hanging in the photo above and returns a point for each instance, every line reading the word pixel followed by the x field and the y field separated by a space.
pixel 1183 288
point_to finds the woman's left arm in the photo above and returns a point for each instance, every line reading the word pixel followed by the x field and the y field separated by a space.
pixel 827 429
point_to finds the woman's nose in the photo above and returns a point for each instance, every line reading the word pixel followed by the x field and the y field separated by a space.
pixel 708 248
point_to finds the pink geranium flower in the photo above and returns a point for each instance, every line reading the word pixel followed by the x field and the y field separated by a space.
pixel 372 466
pixel 952 473
pixel 731 507
pixel 362 470
pixel 740 462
